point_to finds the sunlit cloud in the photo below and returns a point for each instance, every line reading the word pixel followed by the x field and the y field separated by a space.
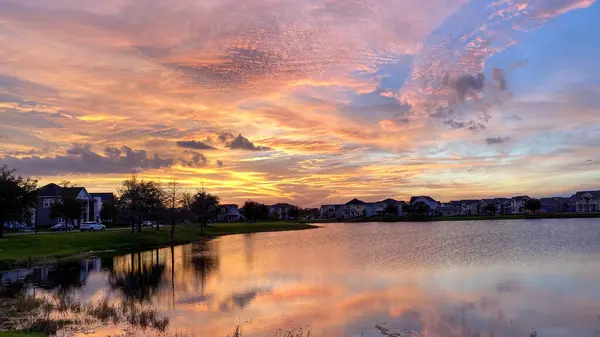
pixel 302 101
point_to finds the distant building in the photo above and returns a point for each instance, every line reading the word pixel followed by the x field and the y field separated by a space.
pixel 555 204
pixel 50 194
pixel 281 211
pixel 352 209
pixel 429 201
pixel 228 213
pixel 587 201
pixel 327 211
pixel 311 213
pixel 469 207
pixel 516 205
pixel 452 208
pixel 98 200
pixel 497 203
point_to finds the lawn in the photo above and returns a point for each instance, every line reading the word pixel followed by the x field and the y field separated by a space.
pixel 23 249
pixel 19 334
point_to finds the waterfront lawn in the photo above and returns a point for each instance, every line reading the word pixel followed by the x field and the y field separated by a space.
pixel 24 249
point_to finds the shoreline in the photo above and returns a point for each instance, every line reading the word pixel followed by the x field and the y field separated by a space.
pixel 465 218
pixel 30 250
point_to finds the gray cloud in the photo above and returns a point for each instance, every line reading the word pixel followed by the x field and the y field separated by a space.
pixel 220 163
pixel 496 140
pixel 195 145
pixel 81 159
pixel 469 125
pixel 193 159
pixel 224 137
pixel 467 83
pixel 242 143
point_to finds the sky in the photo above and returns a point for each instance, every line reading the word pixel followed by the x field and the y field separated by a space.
pixel 305 101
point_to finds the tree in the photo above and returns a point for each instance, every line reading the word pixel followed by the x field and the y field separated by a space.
pixel 140 197
pixel 490 209
pixel 109 212
pixel 391 209
pixel 421 209
pixel 68 208
pixel 408 209
pixel 18 197
pixel 205 207
pixel 294 212
pixel 254 211
pixel 173 198
pixel 533 205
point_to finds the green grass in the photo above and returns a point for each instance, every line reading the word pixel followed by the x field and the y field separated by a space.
pixel 19 334
pixel 24 249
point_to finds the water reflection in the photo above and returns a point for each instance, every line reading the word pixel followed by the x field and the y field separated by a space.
pixel 437 279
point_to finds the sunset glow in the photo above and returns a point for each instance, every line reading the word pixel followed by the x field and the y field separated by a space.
pixel 306 101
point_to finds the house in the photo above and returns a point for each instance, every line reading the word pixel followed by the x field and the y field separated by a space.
pixel 587 201
pixel 555 204
pixel 373 208
pixel 357 207
pixel 50 194
pixel 451 208
pixel 282 211
pixel 327 211
pixel 469 207
pixel 228 213
pixel 99 199
pixel 496 203
pixel 516 204
pixel 429 201
pixel 399 205
pixel 311 213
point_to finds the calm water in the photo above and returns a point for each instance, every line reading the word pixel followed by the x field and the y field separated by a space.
pixel 448 279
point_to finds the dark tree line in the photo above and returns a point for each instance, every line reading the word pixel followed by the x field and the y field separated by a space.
pixel 18 197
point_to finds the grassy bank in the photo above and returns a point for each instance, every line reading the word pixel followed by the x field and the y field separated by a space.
pixel 25 249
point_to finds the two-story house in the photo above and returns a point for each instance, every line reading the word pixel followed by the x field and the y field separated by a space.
pixel 469 207
pixel 517 204
pixel 282 211
pixel 554 204
pixel 429 201
pixel 452 208
pixel 98 201
pixel 587 201
pixel 228 213
pixel 327 211
pixel 50 194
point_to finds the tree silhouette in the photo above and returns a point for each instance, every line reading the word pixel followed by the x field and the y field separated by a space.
pixel 533 205
pixel 140 197
pixel 490 209
pixel 18 197
pixel 254 211
pixel 205 207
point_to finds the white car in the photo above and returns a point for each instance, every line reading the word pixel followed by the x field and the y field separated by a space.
pixel 91 226
pixel 147 224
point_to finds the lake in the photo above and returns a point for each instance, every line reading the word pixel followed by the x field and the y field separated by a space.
pixel 446 279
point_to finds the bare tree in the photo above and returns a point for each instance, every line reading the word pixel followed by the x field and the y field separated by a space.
pixel 173 199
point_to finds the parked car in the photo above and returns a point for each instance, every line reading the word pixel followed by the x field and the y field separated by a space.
pixel 61 227
pixel 147 224
pixel 91 226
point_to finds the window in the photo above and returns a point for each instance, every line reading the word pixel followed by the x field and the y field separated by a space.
pixel 48 203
